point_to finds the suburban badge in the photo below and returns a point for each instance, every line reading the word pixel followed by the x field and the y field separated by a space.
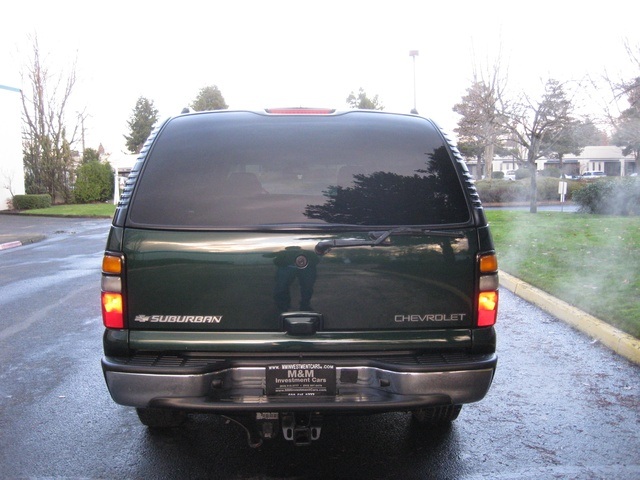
pixel 178 318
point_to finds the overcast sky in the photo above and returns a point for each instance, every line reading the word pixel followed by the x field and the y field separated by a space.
pixel 301 53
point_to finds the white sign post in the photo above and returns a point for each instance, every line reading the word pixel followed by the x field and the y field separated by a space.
pixel 562 191
pixel 116 186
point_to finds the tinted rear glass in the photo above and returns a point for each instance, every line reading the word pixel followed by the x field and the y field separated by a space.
pixel 231 169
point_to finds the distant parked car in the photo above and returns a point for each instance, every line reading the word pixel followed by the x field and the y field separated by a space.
pixel 510 175
pixel 592 175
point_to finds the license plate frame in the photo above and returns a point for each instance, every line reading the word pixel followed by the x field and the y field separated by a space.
pixel 301 380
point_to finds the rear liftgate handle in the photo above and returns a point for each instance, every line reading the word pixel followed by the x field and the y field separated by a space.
pixel 301 323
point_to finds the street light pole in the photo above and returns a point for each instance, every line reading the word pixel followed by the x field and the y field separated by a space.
pixel 414 54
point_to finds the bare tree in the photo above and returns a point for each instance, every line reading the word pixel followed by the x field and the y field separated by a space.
pixel 7 183
pixel 631 89
pixel 46 143
pixel 626 124
pixel 614 93
pixel 538 124
pixel 483 114
pixel 363 101
pixel 627 127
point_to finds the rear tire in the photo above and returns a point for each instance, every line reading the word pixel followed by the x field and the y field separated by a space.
pixel 161 418
pixel 436 416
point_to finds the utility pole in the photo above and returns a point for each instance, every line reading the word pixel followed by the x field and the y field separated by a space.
pixel 414 54
pixel 82 120
pixel 82 116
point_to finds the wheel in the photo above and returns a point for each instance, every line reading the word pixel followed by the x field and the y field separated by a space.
pixel 436 416
pixel 160 417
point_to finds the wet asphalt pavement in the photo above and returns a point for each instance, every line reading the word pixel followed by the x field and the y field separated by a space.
pixel 561 406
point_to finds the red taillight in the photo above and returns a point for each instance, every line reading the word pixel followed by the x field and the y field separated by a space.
pixel 488 287
pixel 112 310
pixel 299 111
pixel 112 300
pixel 487 308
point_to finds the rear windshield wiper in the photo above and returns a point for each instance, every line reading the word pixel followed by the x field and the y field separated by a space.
pixel 380 238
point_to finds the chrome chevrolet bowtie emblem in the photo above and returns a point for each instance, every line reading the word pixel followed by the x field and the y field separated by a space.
pixel 301 261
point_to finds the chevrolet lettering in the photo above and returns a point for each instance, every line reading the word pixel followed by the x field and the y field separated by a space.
pixel 439 317
pixel 281 266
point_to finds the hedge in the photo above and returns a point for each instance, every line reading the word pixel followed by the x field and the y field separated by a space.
pixel 506 191
pixel 617 196
pixel 30 202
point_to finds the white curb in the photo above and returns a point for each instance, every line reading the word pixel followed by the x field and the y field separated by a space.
pixel 620 342
pixel 5 246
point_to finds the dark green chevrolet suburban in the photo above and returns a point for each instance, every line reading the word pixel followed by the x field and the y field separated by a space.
pixel 278 266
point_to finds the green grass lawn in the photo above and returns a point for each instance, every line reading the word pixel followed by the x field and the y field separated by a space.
pixel 88 210
pixel 589 261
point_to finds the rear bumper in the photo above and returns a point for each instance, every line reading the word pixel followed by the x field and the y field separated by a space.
pixel 240 386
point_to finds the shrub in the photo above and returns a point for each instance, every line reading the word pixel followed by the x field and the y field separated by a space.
pixel 620 196
pixel 94 183
pixel 552 172
pixel 502 192
pixel 548 189
pixel 498 175
pixel 30 202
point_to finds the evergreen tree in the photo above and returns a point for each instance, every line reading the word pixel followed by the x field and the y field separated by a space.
pixel 142 120
pixel 209 98
pixel 94 182
pixel 571 139
pixel 90 155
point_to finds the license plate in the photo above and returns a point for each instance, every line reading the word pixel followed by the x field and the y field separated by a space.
pixel 301 380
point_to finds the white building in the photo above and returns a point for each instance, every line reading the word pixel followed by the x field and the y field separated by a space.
pixel 608 159
pixel 122 163
pixel 11 166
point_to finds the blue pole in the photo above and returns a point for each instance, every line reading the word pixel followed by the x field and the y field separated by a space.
pixel 11 89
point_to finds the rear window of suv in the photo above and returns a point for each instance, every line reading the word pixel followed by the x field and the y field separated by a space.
pixel 239 169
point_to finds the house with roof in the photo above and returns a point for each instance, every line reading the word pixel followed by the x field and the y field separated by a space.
pixel 608 159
